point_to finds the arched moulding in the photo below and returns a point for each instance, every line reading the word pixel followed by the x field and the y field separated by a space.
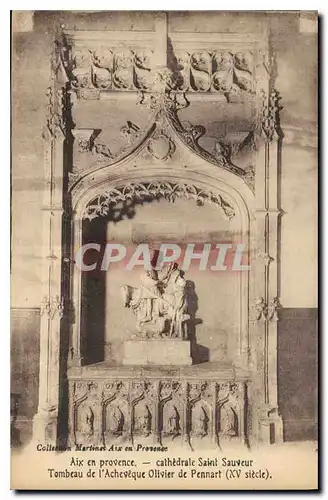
pixel 172 411
pixel 171 419
pixel 201 423
pixel 229 418
pixel 197 179
pixel 142 191
pixel 185 169
pixel 143 419
pixel 87 421
pixel 116 421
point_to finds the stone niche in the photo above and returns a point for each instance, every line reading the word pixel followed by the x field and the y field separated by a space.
pixel 212 327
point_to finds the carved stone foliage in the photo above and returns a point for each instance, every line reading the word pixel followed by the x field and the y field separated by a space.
pixel 265 257
pixel 159 140
pixel 58 105
pixel 139 192
pixel 171 389
pixel 266 312
pixel 52 307
pixel 108 411
pixel 55 123
pixel 269 118
pixel 115 69
pixel 106 69
pixel 218 71
pixel 200 389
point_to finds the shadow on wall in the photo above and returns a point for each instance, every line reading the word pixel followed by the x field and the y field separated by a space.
pixel 93 297
pixel 298 373
pixel 199 353
pixel 25 335
pixel 15 433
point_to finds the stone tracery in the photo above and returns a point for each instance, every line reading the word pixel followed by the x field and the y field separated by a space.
pixel 142 191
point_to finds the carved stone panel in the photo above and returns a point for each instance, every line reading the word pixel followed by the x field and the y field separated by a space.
pixel 194 413
pixel 230 412
pixel 116 414
pixel 87 422
pixel 172 410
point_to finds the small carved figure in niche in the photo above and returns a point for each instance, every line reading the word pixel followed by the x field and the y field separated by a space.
pixel 228 421
pixel 116 421
pixel 200 421
pixel 87 423
pixel 142 423
pixel 171 424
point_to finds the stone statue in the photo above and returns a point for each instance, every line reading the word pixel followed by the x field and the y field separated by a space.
pixel 228 421
pixel 116 421
pixel 159 302
pixel 142 421
pixel 87 423
pixel 172 422
pixel 199 422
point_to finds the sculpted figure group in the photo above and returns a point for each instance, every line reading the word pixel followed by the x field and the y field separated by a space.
pixel 159 303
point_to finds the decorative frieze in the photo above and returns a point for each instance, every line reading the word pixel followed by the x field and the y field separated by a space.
pixel 214 71
pixel 133 68
pixel 160 411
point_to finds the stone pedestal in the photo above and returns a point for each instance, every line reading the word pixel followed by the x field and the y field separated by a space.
pixel 157 352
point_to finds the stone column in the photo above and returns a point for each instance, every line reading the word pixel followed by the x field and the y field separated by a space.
pixel 52 307
pixel 268 423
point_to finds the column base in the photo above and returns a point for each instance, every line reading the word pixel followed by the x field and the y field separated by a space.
pixel 270 426
pixel 45 424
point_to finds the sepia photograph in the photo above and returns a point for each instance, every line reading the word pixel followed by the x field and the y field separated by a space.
pixel 164 254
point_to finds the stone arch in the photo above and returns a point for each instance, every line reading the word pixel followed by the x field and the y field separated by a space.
pixel 199 180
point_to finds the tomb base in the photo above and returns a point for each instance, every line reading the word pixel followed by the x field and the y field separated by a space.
pixel 157 352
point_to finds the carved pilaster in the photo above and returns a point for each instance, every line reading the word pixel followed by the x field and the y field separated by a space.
pixel 268 212
pixel 52 307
